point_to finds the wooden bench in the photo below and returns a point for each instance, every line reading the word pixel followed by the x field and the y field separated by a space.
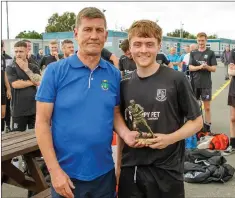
pixel 22 143
pixel 44 194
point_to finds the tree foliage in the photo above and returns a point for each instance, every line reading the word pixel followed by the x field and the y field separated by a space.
pixel 61 23
pixel 187 35
pixel 29 35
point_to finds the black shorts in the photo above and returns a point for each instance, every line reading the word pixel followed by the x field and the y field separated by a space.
pixel 151 182
pixel 231 101
pixel 21 123
pixel 205 94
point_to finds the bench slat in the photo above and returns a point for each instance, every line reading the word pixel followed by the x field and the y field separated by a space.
pixel 44 194
pixel 16 140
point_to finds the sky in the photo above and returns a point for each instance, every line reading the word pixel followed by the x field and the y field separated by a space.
pixel 210 17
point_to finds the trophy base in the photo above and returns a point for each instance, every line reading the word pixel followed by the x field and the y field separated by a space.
pixel 145 141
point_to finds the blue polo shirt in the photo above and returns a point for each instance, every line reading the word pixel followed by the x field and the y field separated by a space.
pixel 83 114
pixel 174 58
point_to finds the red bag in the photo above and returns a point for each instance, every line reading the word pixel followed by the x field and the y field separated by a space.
pixel 219 142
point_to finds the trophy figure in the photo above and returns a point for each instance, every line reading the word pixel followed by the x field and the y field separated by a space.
pixel 137 113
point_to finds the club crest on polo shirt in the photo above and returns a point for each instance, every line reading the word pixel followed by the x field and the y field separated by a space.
pixel 161 95
pixel 104 85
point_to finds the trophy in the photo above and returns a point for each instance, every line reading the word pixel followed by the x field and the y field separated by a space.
pixel 137 114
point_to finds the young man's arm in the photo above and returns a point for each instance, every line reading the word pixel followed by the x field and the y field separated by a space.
pixel 34 76
pixel 193 67
pixel 213 61
pixel 45 97
pixel 7 84
pixel 21 84
pixel 122 130
pixel 14 81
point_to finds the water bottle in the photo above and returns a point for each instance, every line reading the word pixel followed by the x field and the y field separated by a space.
pixel 15 162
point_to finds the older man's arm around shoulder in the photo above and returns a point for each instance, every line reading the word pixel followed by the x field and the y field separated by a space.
pixel 45 103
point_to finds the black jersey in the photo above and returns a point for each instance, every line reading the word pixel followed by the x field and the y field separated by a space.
pixel 126 65
pixel 202 78
pixel 166 98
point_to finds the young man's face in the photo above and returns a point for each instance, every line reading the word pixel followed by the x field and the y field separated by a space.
pixel 20 53
pixel 91 36
pixel 144 50
pixel 201 42
pixel 68 49
pixel 53 49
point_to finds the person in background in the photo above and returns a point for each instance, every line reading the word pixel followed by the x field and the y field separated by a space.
pixel 31 58
pixel 110 57
pixel 3 91
pixel 67 48
pixel 186 51
pixel 52 57
pixel 23 77
pixel 39 55
pixel 7 60
pixel 174 59
pixel 202 63
pixel 126 62
pixel 225 59
pixel 231 103
pixel 185 62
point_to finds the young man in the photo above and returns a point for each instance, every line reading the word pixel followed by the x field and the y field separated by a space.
pixel 77 107
pixel 67 48
pixel 31 58
pixel 52 57
pixel 126 62
pixel 201 63
pixel 231 103
pixel 155 170
pixel 23 77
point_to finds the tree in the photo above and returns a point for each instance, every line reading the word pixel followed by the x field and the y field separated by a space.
pixel 214 36
pixel 29 35
pixel 176 33
pixel 188 35
pixel 63 23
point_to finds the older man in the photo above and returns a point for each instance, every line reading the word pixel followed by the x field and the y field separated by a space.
pixel 174 58
pixel 77 107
